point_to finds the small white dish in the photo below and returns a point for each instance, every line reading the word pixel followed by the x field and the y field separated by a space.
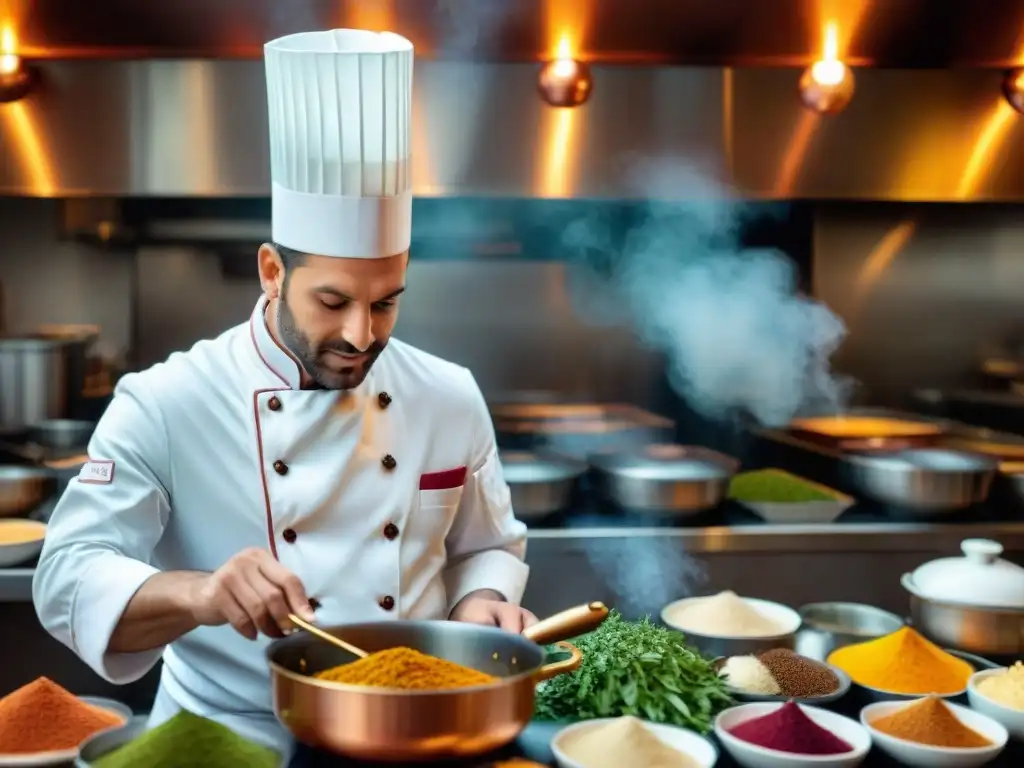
pixel 924 756
pixel 30 535
pixel 699 749
pixel 63 757
pixel 752 756
pixel 1011 719
pixel 844 686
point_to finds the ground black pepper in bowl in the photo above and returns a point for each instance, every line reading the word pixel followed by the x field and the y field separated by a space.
pixel 799 677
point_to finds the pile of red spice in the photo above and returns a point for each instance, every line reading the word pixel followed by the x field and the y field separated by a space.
pixel 43 717
pixel 789 729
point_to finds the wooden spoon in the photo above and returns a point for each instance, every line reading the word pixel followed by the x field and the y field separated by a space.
pixel 337 642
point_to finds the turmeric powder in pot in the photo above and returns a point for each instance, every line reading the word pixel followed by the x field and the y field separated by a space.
pixel 405 669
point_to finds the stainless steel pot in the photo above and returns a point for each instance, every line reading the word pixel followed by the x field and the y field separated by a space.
pixel 923 480
pixel 35 380
pixel 669 479
pixel 985 630
pixel 381 724
pixel 23 488
pixel 540 485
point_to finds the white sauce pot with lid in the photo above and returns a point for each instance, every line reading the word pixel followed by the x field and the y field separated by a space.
pixel 973 603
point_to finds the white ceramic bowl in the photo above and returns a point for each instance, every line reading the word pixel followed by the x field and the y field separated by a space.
pixel 727 645
pixel 752 756
pixel 22 551
pixel 923 756
pixel 700 750
pixel 64 757
pixel 1011 719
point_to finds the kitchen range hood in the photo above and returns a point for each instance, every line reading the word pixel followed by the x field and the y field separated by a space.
pixel 157 100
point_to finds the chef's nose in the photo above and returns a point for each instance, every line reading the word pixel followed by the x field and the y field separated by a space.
pixel 358 329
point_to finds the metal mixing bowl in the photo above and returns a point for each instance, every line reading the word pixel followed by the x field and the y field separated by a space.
pixel 667 479
pixel 924 480
pixel 828 626
pixel 540 485
pixel 62 434
pixel 23 488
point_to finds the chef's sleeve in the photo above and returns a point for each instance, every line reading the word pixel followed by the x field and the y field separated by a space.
pixel 102 535
pixel 486 545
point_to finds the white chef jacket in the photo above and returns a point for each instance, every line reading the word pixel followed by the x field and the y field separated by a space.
pixel 387 501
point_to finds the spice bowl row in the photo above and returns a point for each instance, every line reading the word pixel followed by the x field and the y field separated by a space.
pixel 927 733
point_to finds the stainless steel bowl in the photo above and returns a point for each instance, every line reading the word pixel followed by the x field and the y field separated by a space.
pixel 828 626
pixel 23 488
pixel 924 480
pixel 984 630
pixel 63 434
pixel 381 724
pixel 669 479
pixel 540 485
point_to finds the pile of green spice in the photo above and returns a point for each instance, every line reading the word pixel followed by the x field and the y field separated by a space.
pixel 190 741
pixel 636 668
pixel 776 486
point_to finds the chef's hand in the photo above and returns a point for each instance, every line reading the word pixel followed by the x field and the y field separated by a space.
pixel 490 609
pixel 253 593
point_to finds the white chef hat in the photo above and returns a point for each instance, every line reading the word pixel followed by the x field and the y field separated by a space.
pixel 340 112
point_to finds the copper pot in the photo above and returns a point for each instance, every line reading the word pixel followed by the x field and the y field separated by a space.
pixel 407 726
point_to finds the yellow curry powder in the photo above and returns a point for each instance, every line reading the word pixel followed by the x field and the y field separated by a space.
pixel 903 662
pixel 405 669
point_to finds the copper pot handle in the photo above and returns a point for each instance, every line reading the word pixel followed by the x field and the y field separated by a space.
pixel 556 668
pixel 567 624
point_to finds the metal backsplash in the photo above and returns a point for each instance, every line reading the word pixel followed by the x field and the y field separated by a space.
pixel 927 292
pixel 198 128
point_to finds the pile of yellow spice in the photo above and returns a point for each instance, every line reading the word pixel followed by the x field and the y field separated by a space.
pixel 1005 687
pixel 903 662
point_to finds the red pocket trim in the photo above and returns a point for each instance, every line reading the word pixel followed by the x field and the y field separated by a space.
pixel 441 481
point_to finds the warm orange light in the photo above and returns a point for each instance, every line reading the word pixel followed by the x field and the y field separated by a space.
pixel 10 61
pixel 827 85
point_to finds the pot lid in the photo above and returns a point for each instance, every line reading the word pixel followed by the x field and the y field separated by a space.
pixel 980 577
pixel 667 462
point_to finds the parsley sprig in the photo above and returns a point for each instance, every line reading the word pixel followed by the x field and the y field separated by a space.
pixel 636 668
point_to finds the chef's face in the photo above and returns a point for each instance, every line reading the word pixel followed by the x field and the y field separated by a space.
pixel 334 315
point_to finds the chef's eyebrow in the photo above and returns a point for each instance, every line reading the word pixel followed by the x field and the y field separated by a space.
pixel 345 297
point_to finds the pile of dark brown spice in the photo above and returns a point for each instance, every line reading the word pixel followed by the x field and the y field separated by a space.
pixel 798 676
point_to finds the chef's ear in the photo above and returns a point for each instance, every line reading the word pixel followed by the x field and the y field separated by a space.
pixel 271 270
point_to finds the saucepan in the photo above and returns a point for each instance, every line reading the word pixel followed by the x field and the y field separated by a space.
pixel 412 726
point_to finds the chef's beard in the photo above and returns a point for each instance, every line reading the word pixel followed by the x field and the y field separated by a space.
pixel 310 356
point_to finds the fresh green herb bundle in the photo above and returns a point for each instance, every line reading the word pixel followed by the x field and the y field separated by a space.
pixel 636 668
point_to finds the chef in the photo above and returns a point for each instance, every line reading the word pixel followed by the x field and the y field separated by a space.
pixel 304 461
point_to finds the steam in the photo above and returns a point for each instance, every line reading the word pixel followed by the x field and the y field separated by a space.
pixel 738 336
pixel 646 573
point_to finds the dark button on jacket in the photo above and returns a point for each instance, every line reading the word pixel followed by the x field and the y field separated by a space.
pixel 387 602
pixel 280 467
pixel 274 404
pixel 391 531
pixel 383 399
pixel 389 462
pixel 289 535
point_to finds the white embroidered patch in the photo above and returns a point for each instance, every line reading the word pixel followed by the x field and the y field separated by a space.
pixel 97 472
